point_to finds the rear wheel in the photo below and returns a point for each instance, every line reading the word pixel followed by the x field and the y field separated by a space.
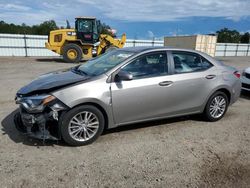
pixel 72 53
pixel 216 106
pixel 82 125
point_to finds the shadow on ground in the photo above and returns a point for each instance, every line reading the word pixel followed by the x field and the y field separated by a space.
pixel 8 127
pixel 166 122
pixel 57 60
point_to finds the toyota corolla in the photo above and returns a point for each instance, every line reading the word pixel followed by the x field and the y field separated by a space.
pixel 125 86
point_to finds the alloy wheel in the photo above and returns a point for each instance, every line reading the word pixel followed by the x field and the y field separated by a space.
pixel 83 126
pixel 217 107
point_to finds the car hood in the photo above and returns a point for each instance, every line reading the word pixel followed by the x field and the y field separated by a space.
pixel 51 81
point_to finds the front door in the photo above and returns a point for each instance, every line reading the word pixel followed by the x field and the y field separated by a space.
pixel 145 96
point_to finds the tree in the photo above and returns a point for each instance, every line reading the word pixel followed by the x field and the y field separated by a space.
pixel 106 29
pixel 228 36
pixel 245 38
pixel 42 29
pixel 45 27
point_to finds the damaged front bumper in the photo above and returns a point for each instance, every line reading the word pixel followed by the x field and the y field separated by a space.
pixel 40 125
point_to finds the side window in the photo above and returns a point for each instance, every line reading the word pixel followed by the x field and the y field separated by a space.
pixel 205 63
pixel 189 62
pixel 149 65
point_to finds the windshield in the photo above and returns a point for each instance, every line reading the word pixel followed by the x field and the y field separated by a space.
pixel 85 26
pixel 104 63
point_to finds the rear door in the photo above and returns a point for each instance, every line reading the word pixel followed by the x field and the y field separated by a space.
pixel 193 79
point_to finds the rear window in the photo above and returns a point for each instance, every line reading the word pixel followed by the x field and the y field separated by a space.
pixel 185 62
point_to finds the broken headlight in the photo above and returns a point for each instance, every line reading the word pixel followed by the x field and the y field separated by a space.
pixel 35 104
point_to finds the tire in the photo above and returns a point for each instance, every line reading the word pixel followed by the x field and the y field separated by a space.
pixel 19 123
pixel 70 126
pixel 72 53
pixel 209 113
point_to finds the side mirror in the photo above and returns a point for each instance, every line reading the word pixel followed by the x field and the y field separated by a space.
pixel 123 75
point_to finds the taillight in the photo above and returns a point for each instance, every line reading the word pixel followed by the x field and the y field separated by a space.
pixel 237 74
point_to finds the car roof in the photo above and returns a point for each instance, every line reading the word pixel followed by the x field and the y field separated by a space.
pixel 154 48
pixel 137 51
pixel 145 49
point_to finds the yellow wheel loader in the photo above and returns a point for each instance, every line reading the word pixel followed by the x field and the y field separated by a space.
pixel 83 42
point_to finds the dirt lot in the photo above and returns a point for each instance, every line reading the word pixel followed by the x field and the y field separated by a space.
pixel 180 152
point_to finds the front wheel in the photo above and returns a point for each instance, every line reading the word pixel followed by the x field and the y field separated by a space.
pixel 82 125
pixel 216 106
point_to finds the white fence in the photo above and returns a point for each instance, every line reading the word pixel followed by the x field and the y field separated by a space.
pixel 24 45
pixel 232 49
pixel 33 45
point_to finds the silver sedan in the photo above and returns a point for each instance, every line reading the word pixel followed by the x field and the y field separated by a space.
pixel 125 86
pixel 246 79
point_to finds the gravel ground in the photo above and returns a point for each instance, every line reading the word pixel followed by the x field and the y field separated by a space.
pixel 179 152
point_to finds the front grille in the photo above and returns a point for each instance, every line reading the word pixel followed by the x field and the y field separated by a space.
pixel 247 86
pixel 247 75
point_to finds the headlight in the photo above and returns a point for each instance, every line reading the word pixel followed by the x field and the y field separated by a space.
pixel 71 33
pixel 35 103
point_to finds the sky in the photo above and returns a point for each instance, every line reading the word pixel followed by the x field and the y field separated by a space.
pixel 140 19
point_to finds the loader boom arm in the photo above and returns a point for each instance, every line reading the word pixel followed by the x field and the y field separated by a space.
pixel 107 41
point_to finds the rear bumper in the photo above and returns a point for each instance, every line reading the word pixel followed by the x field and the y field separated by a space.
pixel 235 92
pixel 48 46
pixel 55 49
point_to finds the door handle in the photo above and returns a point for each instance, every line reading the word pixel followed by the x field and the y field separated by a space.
pixel 166 83
pixel 211 76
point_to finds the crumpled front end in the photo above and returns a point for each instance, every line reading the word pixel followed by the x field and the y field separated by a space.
pixel 38 116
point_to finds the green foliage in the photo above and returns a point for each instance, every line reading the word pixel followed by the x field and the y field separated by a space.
pixel 105 29
pixel 228 36
pixel 45 27
pixel 42 29
pixel 232 36
pixel 245 38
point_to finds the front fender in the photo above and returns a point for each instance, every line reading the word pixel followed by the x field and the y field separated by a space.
pixel 95 92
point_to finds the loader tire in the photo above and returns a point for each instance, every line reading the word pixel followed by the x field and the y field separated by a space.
pixel 72 53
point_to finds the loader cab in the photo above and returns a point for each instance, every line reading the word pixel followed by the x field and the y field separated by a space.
pixel 87 29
